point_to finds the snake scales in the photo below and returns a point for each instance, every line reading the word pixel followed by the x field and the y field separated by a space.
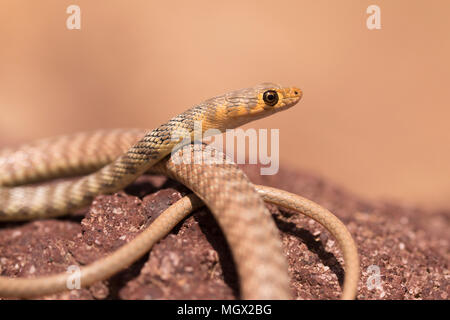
pixel 222 186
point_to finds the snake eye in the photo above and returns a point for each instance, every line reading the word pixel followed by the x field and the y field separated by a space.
pixel 270 97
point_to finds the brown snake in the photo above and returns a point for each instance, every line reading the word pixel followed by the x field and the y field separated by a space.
pixel 223 187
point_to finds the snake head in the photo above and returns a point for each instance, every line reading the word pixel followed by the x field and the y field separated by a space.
pixel 245 105
pixel 272 97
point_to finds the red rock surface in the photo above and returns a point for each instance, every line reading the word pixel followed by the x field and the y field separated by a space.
pixel 409 245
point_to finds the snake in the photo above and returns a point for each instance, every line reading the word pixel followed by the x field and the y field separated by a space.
pixel 104 163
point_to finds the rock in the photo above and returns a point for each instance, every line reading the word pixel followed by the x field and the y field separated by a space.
pixel 408 245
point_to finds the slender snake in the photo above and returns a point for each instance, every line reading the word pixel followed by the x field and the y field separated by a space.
pixel 109 164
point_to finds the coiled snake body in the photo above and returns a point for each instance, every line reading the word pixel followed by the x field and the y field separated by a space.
pixel 111 165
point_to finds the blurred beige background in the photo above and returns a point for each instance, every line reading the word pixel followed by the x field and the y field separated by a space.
pixel 375 113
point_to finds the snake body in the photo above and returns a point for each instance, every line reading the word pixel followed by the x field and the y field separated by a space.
pixel 223 187
pixel 222 112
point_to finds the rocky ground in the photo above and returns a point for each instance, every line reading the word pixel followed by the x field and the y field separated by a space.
pixel 408 246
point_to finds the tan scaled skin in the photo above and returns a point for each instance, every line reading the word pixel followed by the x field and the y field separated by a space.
pixel 255 246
